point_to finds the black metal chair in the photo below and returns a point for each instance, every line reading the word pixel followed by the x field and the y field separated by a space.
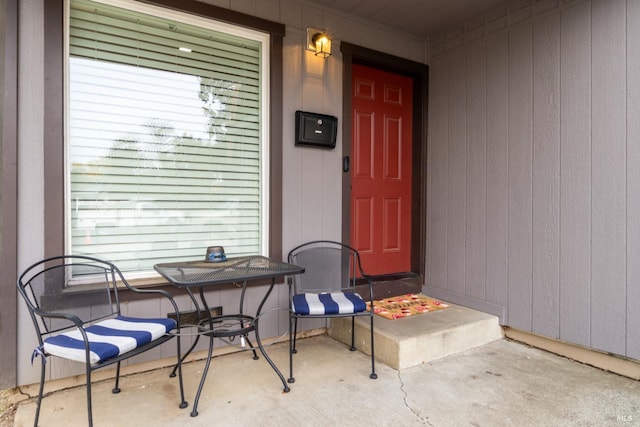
pixel 74 304
pixel 327 289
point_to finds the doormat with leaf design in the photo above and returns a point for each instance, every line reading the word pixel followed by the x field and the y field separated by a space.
pixel 405 306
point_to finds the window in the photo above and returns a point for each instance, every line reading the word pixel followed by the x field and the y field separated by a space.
pixel 167 150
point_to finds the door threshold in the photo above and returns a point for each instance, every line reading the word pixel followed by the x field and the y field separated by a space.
pixel 391 285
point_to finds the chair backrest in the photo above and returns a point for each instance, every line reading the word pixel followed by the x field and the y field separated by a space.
pixel 329 266
pixel 66 289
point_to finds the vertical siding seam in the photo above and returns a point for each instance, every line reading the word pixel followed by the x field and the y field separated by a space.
pixel 507 237
pixel 486 183
pixel 531 140
pixel 590 168
pixel 445 149
pixel 466 168
pixel 559 182
pixel 532 186
pixel 446 206
pixel 559 173
pixel 626 175
pixel 591 174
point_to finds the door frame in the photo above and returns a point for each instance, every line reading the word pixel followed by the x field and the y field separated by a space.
pixel 9 189
pixel 419 73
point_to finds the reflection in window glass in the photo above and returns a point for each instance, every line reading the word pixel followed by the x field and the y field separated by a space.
pixel 164 138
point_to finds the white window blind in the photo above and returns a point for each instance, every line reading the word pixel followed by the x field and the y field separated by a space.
pixel 164 138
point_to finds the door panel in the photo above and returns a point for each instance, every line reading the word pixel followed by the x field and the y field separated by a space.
pixel 381 172
pixel 363 209
pixel 363 145
pixel 392 215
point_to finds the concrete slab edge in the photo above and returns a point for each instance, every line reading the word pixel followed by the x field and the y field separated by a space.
pixel 609 362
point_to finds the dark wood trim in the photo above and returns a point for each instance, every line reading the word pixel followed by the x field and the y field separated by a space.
pixel 9 191
pixel 275 144
pixel 347 131
pixel 54 147
pixel 419 214
pixel 54 113
pixel 352 54
pixel 221 14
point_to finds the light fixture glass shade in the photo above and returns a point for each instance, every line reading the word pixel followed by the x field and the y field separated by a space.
pixel 322 44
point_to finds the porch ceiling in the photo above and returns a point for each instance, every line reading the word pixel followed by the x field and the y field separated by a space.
pixel 418 17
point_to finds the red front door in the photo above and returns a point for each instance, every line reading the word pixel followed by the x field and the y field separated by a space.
pixel 381 170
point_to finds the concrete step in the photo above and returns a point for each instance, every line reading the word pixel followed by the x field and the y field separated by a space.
pixel 411 341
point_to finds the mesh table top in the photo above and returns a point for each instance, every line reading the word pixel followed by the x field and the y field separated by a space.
pixel 201 273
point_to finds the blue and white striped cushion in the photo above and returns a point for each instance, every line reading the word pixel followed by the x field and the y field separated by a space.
pixel 328 303
pixel 108 338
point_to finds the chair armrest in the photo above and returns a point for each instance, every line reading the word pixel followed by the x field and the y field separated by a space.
pixel 72 318
pixel 147 291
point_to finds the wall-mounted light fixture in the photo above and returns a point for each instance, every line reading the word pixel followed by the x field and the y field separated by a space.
pixel 318 42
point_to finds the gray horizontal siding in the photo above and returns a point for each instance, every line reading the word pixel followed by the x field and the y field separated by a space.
pixel 534 173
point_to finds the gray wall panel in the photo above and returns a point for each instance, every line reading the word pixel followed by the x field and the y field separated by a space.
pixel 562 182
pixel 497 168
pixel 457 180
pixel 520 177
pixel 575 179
pixel 546 176
pixel 437 178
pixel 633 179
pixel 608 183
pixel 476 135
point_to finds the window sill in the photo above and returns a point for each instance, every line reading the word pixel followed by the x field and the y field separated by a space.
pixel 162 283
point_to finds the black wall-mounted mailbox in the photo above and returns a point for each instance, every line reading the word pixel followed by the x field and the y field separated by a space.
pixel 316 130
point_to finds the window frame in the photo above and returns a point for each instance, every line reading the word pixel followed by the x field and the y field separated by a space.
pixel 54 115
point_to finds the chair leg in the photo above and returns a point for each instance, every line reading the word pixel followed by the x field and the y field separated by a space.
pixel 89 404
pixel 116 389
pixel 353 333
pixel 295 335
pixel 293 326
pixel 183 403
pixel 41 390
pixel 373 375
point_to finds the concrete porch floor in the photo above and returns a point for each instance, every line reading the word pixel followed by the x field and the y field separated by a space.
pixel 502 383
